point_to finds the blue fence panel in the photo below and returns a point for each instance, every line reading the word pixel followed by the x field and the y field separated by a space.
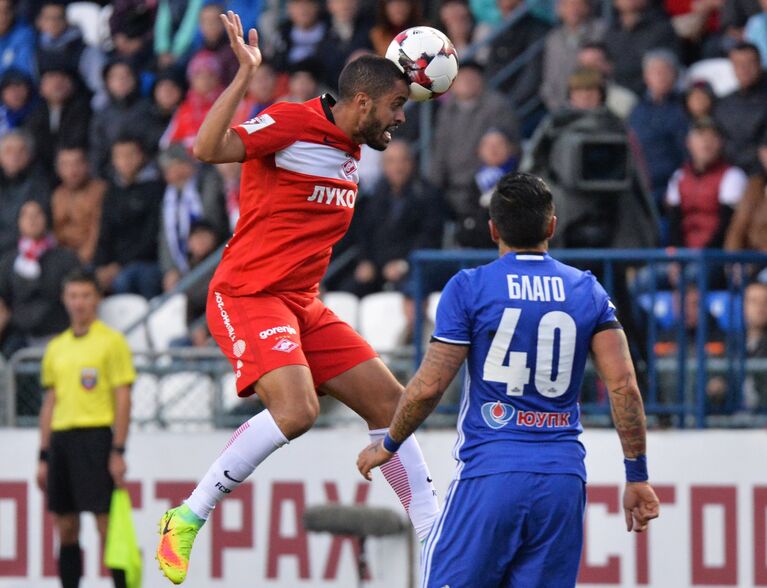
pixel 679 376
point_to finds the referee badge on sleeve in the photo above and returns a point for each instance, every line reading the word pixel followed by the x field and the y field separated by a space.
pixel 89 377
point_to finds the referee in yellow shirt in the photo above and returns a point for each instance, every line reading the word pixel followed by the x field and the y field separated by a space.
pixel 87 372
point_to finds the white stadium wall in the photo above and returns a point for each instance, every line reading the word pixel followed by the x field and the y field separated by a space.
pixel 713 530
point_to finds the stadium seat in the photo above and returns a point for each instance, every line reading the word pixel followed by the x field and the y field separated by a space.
pixel 664 307
pixel 431 306
pixel 122 311
pixel 345 305
pixel 229 398
pixel 144 400
pixel 718 72
pixel 382 320
pixel 87 17
pixel 726 308
pixel 186 402
pixel 168 322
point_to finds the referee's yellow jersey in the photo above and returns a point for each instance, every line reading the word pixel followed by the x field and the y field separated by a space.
pixel 83 372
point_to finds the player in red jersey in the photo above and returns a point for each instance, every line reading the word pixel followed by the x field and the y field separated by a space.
pixel 299 187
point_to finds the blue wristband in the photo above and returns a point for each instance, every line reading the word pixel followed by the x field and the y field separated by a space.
pixel 636 469
pixel 390 444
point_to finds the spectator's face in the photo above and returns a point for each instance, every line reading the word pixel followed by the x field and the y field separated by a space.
pixel 573 12
pixel 468 84
pixel 398 12
pixel 343 10
pixel 211 27
pixel 699 103
pixel 262 85
pixel 167 95
pixel 302 86
pixel 705 146
pixel 398 164
pixel 201 243
pixel 755 306
pixel 56 87
pixel 127 159
pixel 630 6
pixel 691 307
pixel 52 20
pixel 127 46
pixel 15 156
pixel 204 81
pixel 81 299
pixel 585 98
pixel 495 149
pixel 747 67
pixel 6 16
pixel 15 96
pixel 506 6
pixel 660 77
pixel 120 81
pixel 303 13
pixel 72 168
pixel 457 19
pixel 32 222
pixel 595 59
pixel 178 172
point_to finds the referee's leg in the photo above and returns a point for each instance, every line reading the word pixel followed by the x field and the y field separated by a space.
pixel 70 558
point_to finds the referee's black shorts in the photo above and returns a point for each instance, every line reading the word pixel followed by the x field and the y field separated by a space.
pixel 78 471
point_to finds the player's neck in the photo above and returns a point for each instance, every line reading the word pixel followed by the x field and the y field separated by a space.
pixel 346 121
pixel 503 249
pixel 81 328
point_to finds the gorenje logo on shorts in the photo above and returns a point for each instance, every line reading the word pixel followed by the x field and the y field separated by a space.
pixel 282 330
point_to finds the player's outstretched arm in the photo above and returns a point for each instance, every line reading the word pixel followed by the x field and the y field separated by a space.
pixel 421 396
pixel 216 142
pixel 613 362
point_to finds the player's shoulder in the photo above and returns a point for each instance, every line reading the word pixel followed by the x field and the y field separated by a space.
pixel 103 332
pixel 59 341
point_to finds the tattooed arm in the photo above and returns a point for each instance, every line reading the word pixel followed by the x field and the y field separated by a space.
pixel 611 356
pixel 421 396
pixel 613 362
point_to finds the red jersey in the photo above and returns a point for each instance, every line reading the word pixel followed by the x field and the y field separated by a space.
pixel 297 195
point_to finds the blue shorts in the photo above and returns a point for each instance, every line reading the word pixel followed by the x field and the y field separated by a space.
pixel 511 530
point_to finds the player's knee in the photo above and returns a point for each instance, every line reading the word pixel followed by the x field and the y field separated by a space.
pixel 298 418
pixel 69 530
pixel 386 405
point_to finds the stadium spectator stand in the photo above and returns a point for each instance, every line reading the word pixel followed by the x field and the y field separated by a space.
pixel 55 100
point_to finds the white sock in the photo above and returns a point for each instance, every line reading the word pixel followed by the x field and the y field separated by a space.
pixel 409 476
pixel 251 444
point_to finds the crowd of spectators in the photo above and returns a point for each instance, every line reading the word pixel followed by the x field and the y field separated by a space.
pixel 96 132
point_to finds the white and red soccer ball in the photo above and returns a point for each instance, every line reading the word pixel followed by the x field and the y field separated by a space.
pixel 428 58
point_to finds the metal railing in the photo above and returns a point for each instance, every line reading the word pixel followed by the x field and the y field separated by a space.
pixel 675 382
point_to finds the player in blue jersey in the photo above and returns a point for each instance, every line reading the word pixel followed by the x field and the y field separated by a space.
pixel 525 324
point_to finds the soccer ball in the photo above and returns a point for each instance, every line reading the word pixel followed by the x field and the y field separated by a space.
pixel 428 58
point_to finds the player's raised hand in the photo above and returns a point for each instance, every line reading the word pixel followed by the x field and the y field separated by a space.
pixel 640 505
pixel 248 54
pixel 372 456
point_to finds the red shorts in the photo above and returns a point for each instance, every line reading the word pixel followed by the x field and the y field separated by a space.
pixel 264 332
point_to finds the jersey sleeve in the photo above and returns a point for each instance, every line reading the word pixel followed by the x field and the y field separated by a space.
pixel 605 310
pixel 453 321
pixel 120 371
pixel 47 377
pixel 269 132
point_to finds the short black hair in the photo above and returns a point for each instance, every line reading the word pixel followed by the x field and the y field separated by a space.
pixel 129 137
pixel 745 46
pixel 81 276
pixel 521 208
pixel 371 74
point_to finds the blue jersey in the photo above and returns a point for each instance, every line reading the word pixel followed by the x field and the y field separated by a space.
pixel 528 320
